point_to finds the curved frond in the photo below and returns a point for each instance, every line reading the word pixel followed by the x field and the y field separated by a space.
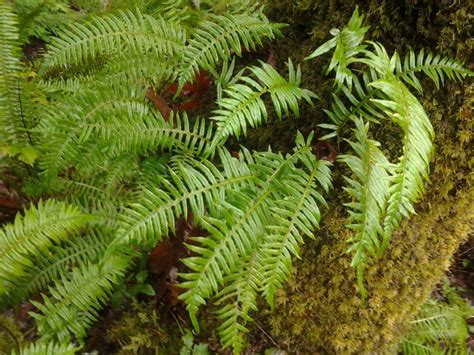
pixel 76 299
pixel 128 31
pixel 411 172
pixel 32 236
pixel 369 189
pixel 437 68
pixel 187 188
pixel 215 39
pixel 59 262
pixel 245 106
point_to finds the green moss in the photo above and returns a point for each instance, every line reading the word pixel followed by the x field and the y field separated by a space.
pixel 10 335
pixel 320 310
pixel 140 330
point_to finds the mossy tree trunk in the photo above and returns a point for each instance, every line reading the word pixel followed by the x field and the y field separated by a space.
pixel 321 311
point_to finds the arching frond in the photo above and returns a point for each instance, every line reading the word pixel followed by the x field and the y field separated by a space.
pixel 187 188
pixel 75 300
pixel 59 262
pixel 238 225
pixel 128 31
pixel 347 44
pixel 369 189
pixel 245 106
pixel 31 237
pixel 410 173
pixel 215 40
pixel 437 68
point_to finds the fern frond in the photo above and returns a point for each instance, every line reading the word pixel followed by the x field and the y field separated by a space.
pixel 237 226
pixel 438 329
pixel 353 103
pixel 347 44
pixel 76 299
pixel 32 236
pixel 12 119
pixel 59 262
pixel 237 299
pixel 407 181
pixel 187 188
pixel 245 106
pixel 295 216
pixel 369 190
pixel 49 348
pixel 410 173
pixel 130 32
pixel 215 40
pixel 434 67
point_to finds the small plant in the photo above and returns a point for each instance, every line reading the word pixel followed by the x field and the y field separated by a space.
pixel 123 166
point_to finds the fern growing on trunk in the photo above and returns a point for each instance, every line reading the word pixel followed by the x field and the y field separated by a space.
pixel 107 151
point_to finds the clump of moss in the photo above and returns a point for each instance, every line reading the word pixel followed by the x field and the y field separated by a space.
pixel 321 310
pixel 10 335
pixel 139 330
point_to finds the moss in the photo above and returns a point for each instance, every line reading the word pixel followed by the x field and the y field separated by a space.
pixel 141 329
pixel 320 310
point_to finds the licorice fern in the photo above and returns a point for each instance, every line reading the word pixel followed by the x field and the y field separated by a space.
pixel 245 106
pixel 217 38
pixel 107 152
pixel 32 236
pixel 383 193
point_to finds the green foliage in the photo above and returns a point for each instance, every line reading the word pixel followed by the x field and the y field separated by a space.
pixel 382 200
pixel 109 153
pixel 440 327
pixel 30 238
pixel 46 348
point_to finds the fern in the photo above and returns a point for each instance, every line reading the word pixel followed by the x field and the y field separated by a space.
pixel 32 236
pixel 128 31
pixel 14 124
pixel 245 105
pixel 347 44
pixel 75 301
pixel 438 329
pixel 61 259
pixel 369 189
pixel 434 67
pixel 48 348
pixel 215 40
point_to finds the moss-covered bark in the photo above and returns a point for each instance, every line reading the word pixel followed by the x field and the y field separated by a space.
pixel 321 310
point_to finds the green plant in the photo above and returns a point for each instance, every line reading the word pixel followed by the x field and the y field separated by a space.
pixel 106 151
pixel 440 327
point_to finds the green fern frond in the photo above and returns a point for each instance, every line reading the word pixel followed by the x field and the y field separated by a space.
pixel 32 236
pixel 245 106
pixel 187 188
pixel 12 118
pixel 294 217
pixel 49 348
pixel 369 190
pixel 215 40
pixel 75 300
pixel 411 172
pixel 237 226
pixel 355 102
pixel 237 299
pixel 438 329
pixel 434 67
pixel 347 44
pixel 130 32
pixel 59 262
